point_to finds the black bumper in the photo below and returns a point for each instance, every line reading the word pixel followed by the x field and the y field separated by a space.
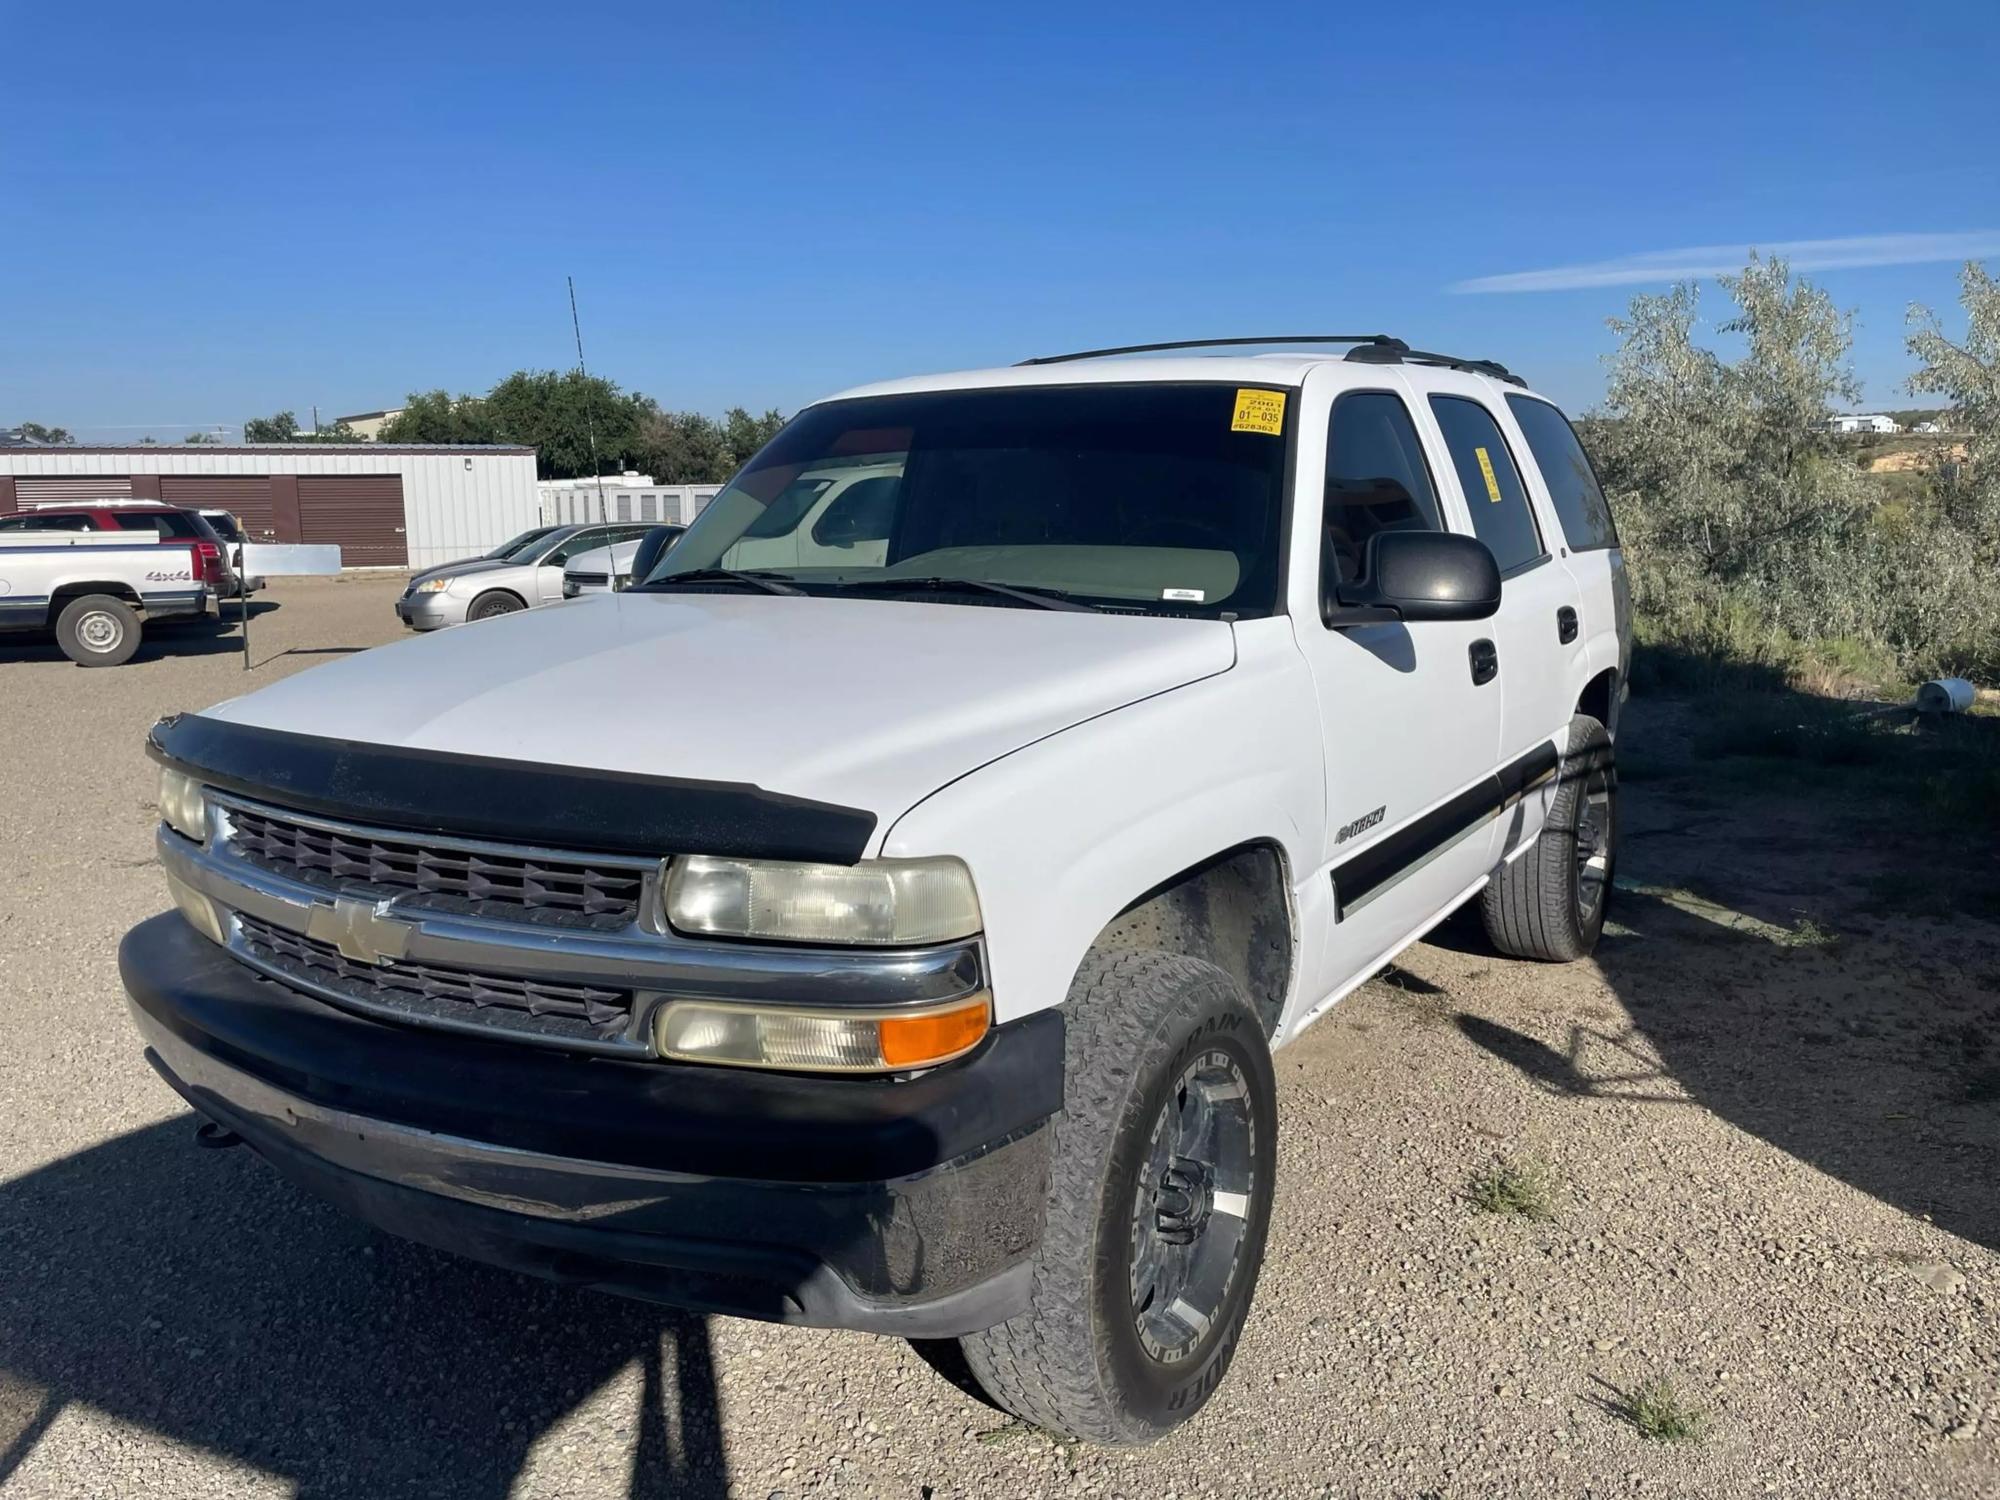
pixel 906 1207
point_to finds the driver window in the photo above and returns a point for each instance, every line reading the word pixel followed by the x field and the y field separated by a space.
pixel 1376 479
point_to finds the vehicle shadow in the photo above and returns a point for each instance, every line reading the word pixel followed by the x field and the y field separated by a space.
pixel 198 1294
pixel 156 644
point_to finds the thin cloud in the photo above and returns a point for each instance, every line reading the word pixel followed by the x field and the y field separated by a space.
pixel 1718 260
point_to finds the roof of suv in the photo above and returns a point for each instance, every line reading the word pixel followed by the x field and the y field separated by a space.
pixel 1286 369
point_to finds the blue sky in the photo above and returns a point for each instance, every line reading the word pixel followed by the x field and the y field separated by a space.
pixel 212 212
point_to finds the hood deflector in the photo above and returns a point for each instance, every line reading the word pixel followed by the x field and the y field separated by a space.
pixel 510 801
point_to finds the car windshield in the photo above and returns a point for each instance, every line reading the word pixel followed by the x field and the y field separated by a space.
pixel 1153 499
pixel 224 526
pixel 515 548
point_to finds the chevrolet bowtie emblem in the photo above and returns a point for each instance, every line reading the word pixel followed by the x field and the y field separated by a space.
pixel 359 929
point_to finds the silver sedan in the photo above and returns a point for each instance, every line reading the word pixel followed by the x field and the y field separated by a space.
pixel 522 573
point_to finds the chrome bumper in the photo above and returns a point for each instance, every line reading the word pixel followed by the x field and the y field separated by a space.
pixel 908 1208
pixel 651 960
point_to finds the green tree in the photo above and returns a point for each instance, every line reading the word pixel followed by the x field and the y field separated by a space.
pixel 1967 375
pixel 40 434
pixel 562 414
pixel 682 447
pixel 439 417
pixel 280 428
pixel 1748 528
pixel 745 434
pixel 283 427
pixel 201 437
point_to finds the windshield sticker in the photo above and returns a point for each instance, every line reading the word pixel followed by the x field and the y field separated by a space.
pixel 1186 596
pixel 1259 411
pixel 1486 468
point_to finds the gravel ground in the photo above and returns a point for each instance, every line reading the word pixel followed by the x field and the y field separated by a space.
pixel 1773 1183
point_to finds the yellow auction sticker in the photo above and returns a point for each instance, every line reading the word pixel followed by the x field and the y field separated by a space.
pixel 1259 411
pixel 1486 468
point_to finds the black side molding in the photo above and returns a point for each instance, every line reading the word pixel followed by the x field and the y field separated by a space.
pixel 564 807
pixel 1383 863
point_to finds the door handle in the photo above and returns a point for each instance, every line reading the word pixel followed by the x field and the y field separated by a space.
pixel 1485 662
pixel 1565 624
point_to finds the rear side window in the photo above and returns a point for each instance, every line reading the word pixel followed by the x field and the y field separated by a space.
pixel 162 523
pixel 1492 485
pixel 1579 498
pixel 1376 478
pixel 30 521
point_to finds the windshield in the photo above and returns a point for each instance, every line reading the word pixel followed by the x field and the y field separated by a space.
pixel 519 544
pixel 1153 499
pixel 224 525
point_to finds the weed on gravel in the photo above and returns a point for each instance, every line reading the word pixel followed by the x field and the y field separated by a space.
pixel 1523 1187
pixel 1660 1414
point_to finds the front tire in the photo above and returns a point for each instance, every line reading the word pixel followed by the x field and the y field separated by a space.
pixel 1160 1185
pixel 97 630
pixel 499 602
pixel 1549 903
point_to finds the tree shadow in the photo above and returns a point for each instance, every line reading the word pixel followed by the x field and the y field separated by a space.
pixel 200 1295
pixel 1848 1047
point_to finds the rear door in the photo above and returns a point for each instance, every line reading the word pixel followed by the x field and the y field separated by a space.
pixel 1589 540
pixel 1535 633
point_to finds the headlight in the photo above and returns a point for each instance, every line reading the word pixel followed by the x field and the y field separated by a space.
pixel 883 901
pixel 182 804
pixel 821 1041
pixel 432 586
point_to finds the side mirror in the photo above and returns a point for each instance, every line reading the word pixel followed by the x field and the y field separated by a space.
pixel 651 545
pixel 1418 575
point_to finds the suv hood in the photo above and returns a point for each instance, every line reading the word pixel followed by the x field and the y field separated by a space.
pixel 866 703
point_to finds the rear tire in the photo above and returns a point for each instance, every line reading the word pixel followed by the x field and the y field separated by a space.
pixel 96 630
pixel 1160 1185
pixel 489 606
pixel 1549 903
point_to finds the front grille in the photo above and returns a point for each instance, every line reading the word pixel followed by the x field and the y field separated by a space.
pixel 422 992
pixel 590 580
pixel 438 877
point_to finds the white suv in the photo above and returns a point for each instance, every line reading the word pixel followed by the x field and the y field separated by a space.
pixel 910 956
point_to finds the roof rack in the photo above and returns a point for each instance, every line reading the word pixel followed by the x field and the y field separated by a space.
pixel 1402 354
pixel 1381 340
pixel 1369 349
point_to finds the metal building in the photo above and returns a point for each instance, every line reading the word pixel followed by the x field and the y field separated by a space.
pixel 629 496
pixel 386 505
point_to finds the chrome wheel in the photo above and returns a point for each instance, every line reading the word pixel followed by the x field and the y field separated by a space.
pixel 98 631
pixel 1593 843
pixel 1192 1206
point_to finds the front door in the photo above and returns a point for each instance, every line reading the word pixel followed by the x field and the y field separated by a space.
pixel 1411 725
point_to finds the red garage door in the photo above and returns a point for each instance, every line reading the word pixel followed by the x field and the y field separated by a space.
pixel 69 489
pixel 245 496
pixel 362 513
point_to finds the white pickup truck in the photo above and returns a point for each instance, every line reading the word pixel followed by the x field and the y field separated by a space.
pixel 94 589
pixel 881 915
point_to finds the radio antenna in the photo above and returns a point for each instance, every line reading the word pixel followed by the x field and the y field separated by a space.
pixel 589 423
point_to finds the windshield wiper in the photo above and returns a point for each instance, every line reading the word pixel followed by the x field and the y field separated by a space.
pixel 770 583
pixel 1041 598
